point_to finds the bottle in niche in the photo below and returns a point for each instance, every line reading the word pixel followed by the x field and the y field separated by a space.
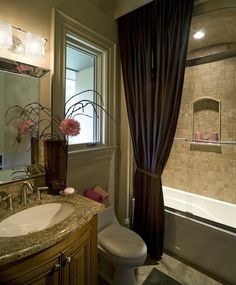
pixel 205 136
pixel 197 136
pixel 215 136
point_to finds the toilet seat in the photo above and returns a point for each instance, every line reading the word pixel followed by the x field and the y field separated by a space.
pixel 121 242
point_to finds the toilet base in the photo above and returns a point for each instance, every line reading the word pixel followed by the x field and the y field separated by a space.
pixel 105 269
pixel 114 274
pixel 124 276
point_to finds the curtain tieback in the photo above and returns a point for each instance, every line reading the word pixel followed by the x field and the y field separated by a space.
pixel 147 172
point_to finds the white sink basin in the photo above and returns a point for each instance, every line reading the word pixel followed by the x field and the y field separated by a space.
pixel 35 219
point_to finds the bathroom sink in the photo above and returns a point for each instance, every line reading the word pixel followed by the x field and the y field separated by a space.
pixel 35 219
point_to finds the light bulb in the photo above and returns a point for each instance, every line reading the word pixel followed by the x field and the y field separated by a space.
pixel 5 35
pixel 34 45
pixel 199 35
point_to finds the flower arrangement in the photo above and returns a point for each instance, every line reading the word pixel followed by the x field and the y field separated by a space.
pixel 36 121
pixel 40 123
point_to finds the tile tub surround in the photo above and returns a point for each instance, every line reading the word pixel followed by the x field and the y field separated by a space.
pixel 205 172
pixel 15 248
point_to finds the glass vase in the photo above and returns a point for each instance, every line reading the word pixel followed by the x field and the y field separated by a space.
pixel 55 160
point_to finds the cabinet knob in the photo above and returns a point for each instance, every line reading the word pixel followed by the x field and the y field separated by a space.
pixel 57 266
pixel 67 259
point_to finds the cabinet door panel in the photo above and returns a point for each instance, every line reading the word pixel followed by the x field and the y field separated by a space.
pixel 49 277
pixel 74 272
pixel 45 275
pixel 77 270
pixel 41 275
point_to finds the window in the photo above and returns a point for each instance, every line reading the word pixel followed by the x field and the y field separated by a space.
pixel 81 76
pixel 84 60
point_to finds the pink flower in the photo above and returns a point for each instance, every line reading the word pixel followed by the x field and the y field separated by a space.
pixel 24 127
pixel 70 127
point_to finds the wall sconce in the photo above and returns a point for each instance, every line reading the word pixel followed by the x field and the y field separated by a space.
pixel 5 36
pixel 31 44
pixel 34 45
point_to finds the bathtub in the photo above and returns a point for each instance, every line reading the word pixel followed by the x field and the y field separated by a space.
pixel 202 231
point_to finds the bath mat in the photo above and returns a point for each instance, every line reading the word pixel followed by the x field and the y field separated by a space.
pixel 156 277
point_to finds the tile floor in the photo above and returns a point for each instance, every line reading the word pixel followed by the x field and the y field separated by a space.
pixel 174 268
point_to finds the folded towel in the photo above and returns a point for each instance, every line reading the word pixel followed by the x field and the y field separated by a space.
pixel 89 193
pixel 98 189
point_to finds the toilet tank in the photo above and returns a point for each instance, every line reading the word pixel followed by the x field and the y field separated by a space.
pixel 106 217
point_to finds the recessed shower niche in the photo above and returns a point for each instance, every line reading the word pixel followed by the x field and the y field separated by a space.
pixel 206 130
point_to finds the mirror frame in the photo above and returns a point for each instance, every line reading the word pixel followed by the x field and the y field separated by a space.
pixel 21 68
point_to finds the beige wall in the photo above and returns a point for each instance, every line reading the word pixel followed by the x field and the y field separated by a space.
pixel 123 6
pixel 126 162
pixel 36 16
pixel 207 171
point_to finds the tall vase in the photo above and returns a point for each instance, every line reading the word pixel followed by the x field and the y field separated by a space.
pixel 55 160
pixel 34 150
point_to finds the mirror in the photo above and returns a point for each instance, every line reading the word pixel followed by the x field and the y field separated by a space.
pixel 21 172
pixel 19 85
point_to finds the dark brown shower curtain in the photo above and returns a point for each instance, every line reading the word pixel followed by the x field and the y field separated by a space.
pixel 153 46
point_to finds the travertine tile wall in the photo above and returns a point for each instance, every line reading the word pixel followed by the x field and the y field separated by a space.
pixel 206 172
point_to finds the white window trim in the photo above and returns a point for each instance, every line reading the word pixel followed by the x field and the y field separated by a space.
pixel 64 25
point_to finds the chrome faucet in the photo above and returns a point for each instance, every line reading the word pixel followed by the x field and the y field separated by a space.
pixel 26 185
pixel 7 197
pixel 38 192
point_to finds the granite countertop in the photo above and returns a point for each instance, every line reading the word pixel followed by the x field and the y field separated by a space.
pixel 15 248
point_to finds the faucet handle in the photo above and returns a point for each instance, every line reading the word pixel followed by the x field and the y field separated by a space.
pixel 8 198
pixel 38 192
pixel 3 194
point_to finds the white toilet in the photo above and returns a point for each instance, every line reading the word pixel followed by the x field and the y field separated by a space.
pixel 119 250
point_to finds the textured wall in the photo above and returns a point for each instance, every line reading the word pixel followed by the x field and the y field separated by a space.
pixel 206 172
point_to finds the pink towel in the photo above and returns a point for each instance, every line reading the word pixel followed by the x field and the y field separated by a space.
pixel 89 193
pixel 98 189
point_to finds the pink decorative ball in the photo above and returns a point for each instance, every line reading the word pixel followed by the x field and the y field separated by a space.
pixel 69 190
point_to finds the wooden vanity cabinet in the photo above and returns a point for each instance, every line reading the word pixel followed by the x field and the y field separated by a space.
pixel 73 261
pixel 76 264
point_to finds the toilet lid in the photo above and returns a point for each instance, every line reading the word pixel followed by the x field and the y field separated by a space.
pixel 121 242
